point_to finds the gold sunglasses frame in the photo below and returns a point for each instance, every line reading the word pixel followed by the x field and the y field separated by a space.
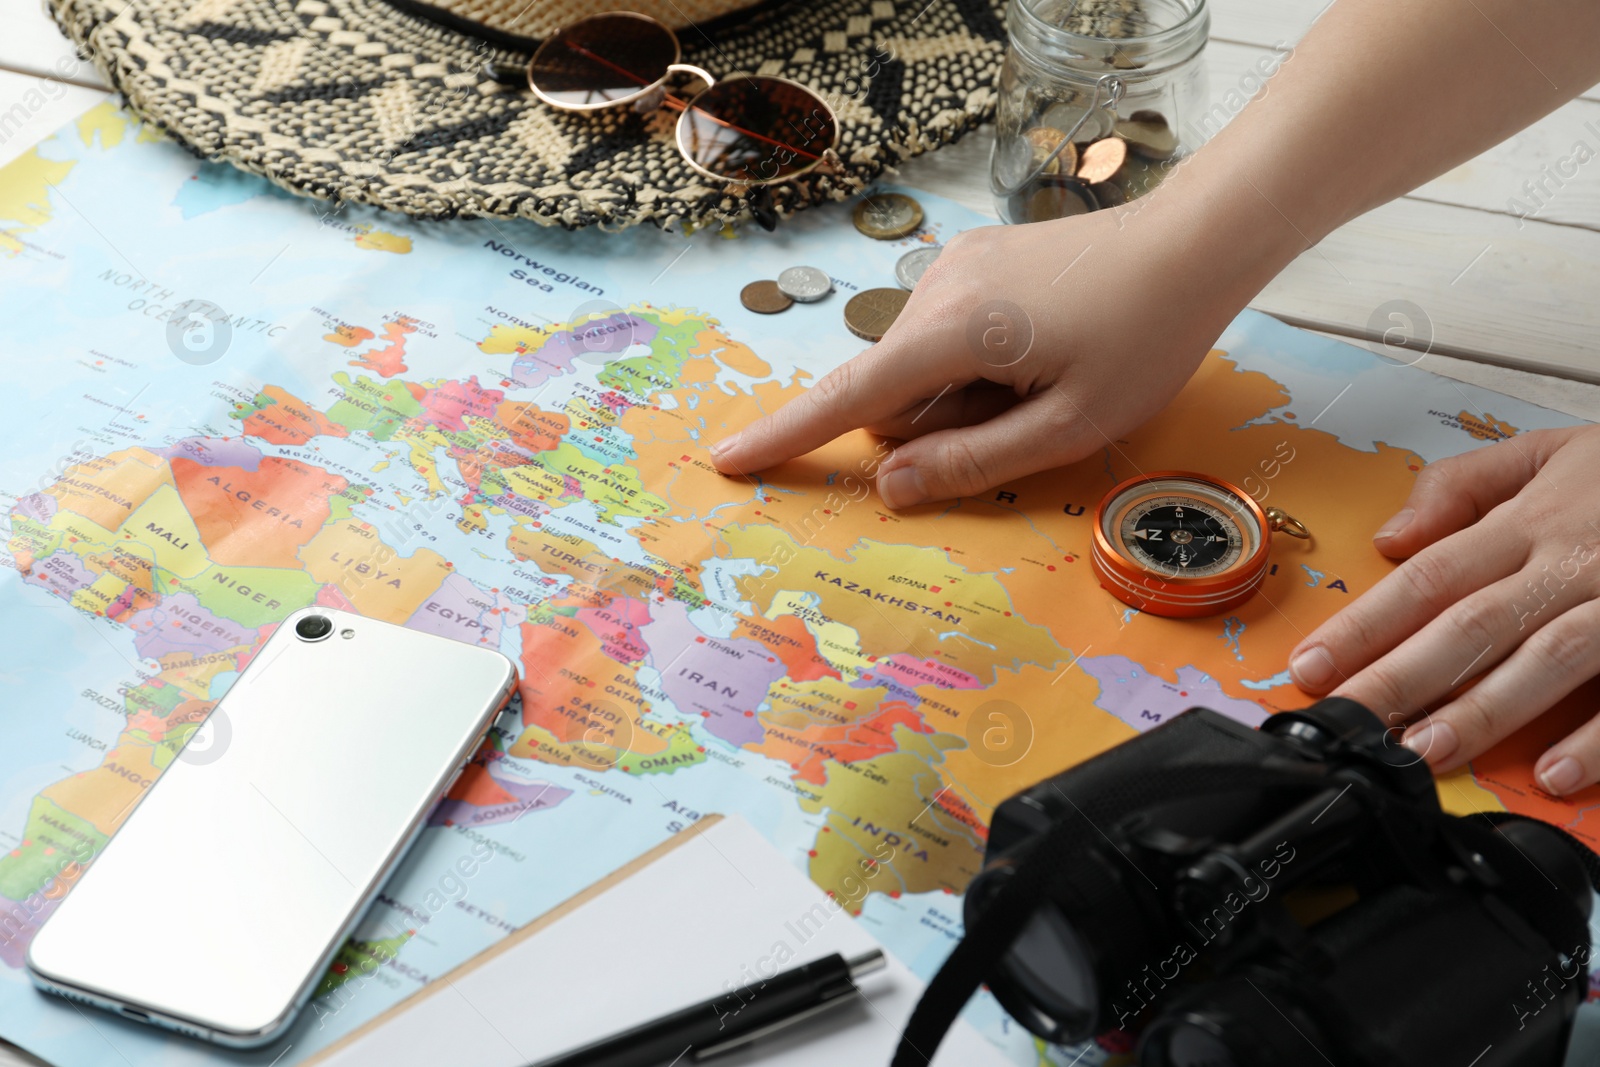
pixel 685 106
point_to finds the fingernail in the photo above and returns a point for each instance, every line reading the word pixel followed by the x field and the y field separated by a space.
pixel 1433 741
pixel 1562 776
pixel 718 449
pixel 1401 520
pixel 1312 668
pixel 901 488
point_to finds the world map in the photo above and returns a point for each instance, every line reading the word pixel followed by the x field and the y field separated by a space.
pixel 497 433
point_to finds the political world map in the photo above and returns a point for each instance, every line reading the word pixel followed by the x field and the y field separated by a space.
pixel 225 404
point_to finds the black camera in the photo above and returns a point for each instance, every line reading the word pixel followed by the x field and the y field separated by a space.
pixel 1258 898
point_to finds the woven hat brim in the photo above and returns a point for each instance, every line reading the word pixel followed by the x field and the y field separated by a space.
pixel 353 100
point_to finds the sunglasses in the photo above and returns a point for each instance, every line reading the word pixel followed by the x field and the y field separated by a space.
pixel 751 129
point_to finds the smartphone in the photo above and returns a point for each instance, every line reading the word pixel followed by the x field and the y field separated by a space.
pixel 222 900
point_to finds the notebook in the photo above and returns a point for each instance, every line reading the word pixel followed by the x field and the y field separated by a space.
pixel 703 912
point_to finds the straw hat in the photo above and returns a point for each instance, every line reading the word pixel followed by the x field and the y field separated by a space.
pixel 387 102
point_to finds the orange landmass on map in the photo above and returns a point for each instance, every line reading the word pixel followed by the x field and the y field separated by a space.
pixel 732 354
pixel 791 642
pixel 579 707
pixel 107 489
pixel 378 580
pixel 348 336
pixel 807 745
pixel 390 359
pixel 1013 564
pixel 285 419
pixel 1486 427
pixel 104 795
pixel 258 518
pixel 477 786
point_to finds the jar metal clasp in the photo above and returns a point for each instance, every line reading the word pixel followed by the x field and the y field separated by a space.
pixel 1108 89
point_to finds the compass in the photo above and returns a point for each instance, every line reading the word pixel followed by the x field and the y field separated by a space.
pixel 1181 544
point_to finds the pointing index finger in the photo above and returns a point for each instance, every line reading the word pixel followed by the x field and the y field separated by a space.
pixel 880 383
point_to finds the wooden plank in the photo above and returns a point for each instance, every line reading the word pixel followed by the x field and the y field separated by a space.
pixel 1579 399
pixel 1494 289
pixel 1267 22
pixel 32 108
pixel 1537 173
pixel 31 44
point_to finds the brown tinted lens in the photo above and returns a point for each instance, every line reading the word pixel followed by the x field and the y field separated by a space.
pixel 756 129
pixel 602 59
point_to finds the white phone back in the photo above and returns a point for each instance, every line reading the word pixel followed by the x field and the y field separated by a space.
pixel 222 899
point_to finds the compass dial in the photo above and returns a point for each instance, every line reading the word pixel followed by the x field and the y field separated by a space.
pixel 1183 545
pixel 1181 536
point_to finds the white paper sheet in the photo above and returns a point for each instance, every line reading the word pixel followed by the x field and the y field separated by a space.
pixel 720 911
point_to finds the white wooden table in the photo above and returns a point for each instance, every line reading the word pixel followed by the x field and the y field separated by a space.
pixel 1514 304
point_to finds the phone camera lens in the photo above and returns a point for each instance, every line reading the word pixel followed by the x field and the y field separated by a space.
pixel 314 627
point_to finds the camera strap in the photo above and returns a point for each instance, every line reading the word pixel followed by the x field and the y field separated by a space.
pixel 1040 873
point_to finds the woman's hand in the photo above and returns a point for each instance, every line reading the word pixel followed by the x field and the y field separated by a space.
pixel 1501 584
pixel 1025 348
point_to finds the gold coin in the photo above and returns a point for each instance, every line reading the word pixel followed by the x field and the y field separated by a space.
pixel 1102 159
pixel 888 216
pixel 1044 140
pixel 1148 134
pixel 764 298
pixel 869 314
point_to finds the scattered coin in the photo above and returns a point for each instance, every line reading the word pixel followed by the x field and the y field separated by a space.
pixel 869 314
pixel 804 284
pixel 888 216
pixel 1044 140
pixel 764 298
pixel 1148 134
pixel 914 264
pixel 1102 159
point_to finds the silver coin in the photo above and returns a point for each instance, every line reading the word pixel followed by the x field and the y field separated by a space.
pixel 909 271
pixel 804 284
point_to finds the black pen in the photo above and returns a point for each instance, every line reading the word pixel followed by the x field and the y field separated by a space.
pixel 730 1021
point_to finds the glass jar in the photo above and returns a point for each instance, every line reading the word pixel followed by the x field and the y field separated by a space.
pixel 1098 100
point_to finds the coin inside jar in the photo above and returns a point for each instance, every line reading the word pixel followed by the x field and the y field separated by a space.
pixel 1148 134
pixel 1066 114
pixel 804 284
pixel 914 264
pixel 1053 198
pixel 869 314
pixel 1102 159
pixel 888 216
pixel 764 298
pixel 1138 176
pixel 1109 194
pixel 1045 140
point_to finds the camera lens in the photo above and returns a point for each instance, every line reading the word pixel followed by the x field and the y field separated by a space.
pixel 1052 967
pixel 1047 981
pixel 313 627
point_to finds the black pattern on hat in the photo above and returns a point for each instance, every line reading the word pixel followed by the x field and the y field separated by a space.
pixel 358 100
